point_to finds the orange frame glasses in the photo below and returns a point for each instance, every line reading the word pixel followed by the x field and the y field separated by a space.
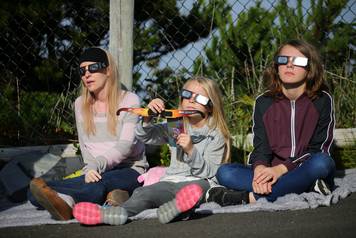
pixel 172 113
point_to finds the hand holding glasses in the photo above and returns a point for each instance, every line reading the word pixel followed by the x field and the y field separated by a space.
pixel 295 60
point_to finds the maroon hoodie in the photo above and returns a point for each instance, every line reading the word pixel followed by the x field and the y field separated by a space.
pixel 289 131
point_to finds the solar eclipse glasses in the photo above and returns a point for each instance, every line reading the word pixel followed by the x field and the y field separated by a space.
pixel 295 60
pixel 186 94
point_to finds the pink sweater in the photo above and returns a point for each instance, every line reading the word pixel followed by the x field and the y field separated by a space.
pixel 104 151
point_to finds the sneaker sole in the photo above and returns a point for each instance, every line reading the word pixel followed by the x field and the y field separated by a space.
pixel 92 214
pixel 43 200
pixel 186 198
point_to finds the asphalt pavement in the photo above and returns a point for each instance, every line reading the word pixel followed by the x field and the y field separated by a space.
pixel 338 220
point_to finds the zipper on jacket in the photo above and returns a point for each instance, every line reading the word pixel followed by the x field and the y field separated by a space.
pixel 292 128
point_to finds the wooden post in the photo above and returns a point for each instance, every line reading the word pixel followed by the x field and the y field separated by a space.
pixel 121 38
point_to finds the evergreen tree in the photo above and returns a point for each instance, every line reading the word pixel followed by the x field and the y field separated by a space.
pixel 41 40
pixel 241 49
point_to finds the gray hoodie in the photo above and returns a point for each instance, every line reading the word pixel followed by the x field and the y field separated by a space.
pixel 208 151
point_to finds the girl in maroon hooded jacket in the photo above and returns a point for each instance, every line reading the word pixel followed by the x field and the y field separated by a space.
pixel 293 125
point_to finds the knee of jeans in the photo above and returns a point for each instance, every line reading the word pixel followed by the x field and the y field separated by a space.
pixel 224 174
pixel 322 162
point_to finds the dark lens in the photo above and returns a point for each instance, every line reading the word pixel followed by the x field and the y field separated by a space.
pixel 82 71
pixel 151 113
pixel 167 114
pixel 282 59
pixel 94 68
pixel 186 94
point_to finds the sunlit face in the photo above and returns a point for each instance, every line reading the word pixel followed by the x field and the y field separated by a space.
pixel 96 81
pixel 290 73
pixel 191 103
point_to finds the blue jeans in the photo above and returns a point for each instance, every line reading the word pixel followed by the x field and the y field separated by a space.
pixel 125 179
pixel 299 180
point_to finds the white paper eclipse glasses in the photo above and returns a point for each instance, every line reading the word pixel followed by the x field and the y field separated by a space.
pixel 295 60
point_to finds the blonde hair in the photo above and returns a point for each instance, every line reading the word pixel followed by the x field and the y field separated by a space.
pixel 217 114
pixel 113 100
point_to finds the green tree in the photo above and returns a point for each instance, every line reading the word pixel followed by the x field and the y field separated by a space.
pixel 323 25
pixel 241 49
pixel 170 29
pixel 40 42
pixel 42 39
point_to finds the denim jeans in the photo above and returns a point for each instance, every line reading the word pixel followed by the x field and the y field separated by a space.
pixel 125 179
pixel 299 180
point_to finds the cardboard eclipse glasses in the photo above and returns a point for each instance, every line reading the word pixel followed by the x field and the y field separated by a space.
pixel 295 60
pixel 173 113
pixel 186 94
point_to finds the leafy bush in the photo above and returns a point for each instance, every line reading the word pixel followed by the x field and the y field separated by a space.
pixel 36 117
pixel 345 157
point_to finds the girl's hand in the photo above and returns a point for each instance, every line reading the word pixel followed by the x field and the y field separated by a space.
pixel 270 174
pixel 258 185
pixel 185 141
pixel 265 175
pixel 156 105
pixel 261 188
pixel 92 176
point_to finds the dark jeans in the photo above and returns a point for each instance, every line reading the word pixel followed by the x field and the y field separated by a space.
pixel 125 179
pixel 319 166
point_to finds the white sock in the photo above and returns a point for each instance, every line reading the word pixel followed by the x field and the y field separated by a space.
pixel 68 199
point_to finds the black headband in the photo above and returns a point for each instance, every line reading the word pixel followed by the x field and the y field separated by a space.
pixel 94 55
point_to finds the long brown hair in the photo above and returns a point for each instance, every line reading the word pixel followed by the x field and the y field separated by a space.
pixel 315 75
pixel 217 114
pixel 113 100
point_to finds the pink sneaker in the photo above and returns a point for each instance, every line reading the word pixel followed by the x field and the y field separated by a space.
pixel 187 198
pixel 92 214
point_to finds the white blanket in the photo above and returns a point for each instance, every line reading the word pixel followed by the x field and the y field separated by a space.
pixel 27 215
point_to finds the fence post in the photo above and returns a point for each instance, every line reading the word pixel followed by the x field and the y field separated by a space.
pixel 121 38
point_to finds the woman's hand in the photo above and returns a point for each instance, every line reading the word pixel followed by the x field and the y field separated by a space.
pixel 92 176
pixel 185 141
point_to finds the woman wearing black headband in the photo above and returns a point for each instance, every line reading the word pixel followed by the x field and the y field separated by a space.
pixel 113 157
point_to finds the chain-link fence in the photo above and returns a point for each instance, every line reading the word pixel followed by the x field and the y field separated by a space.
pixel 231 41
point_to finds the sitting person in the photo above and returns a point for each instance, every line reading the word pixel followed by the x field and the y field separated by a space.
pixel 196 154
pixel 114 158
pixel 293 127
